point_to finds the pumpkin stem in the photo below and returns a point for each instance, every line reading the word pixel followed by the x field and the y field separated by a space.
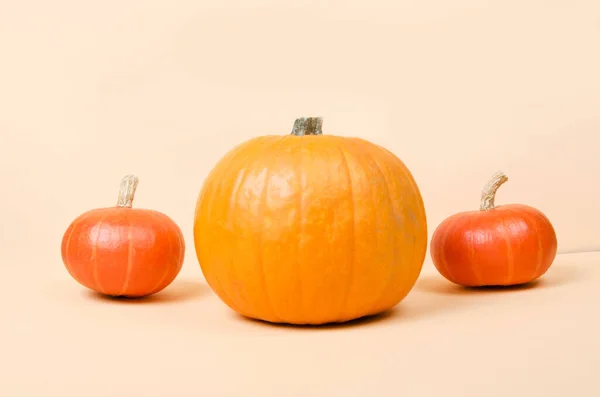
pixel 488 194
pixel 127 191
pixel 308 126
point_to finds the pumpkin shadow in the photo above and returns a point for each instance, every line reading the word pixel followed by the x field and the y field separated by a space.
pixel 178 291
pixel 415 307
pixel 359 322
pixel 554 277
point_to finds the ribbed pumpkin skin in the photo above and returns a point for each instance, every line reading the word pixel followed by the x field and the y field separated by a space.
pixel 310 229
pixel 123 251
pixel 509 245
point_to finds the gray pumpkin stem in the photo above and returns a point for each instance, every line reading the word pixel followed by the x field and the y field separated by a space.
pixel 308 126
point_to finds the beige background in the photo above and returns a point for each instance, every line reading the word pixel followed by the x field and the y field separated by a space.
pixel 90 91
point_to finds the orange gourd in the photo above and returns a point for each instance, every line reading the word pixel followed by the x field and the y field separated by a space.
pixel 122 251
pixel 495 246
pixel 309 228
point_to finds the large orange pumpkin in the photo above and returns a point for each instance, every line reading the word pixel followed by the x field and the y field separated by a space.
pixel 496 245
pixel 307 228
pixel 122 251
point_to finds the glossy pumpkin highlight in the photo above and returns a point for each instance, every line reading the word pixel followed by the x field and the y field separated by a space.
pixel 496 246
pixel 308 228
pixel 122 251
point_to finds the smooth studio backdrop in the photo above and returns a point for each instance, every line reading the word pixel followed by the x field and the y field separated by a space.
pixel 91 91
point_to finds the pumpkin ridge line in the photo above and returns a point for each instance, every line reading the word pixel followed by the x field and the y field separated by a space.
pixel 419 197
pixel 417 192
pixel 385 289
pixel 263 203
pixel 232 207
pixel 413 220
pixel 540 250
pixel 353 240
pixel 129 258
pixel 444 239
pixel 300 208
pixel 95 254
pixel 208 209
pixel 471 248
pixel 509 253
pixel 168 269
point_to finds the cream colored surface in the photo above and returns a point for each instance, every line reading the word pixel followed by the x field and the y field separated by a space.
pixel 92 91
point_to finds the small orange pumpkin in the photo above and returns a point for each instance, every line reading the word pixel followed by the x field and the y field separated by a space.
pixel 122 251
pixel 495 246
pixel 309 228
